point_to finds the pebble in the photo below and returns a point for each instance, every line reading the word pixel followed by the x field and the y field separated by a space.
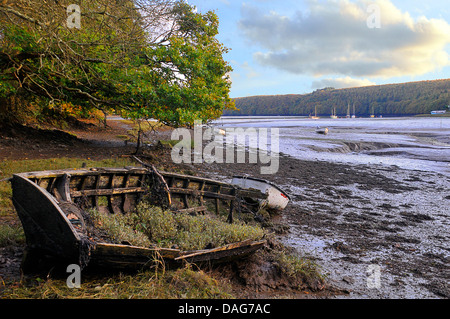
pixel 348 280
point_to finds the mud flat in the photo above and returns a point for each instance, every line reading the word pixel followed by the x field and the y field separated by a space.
pixel 370 201
pixel 376 231
pixel 392 220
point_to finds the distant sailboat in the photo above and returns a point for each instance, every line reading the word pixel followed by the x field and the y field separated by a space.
pixel 348 111
pixel 373 113
pixel 315 117
pixel 333 113
pixel 354 113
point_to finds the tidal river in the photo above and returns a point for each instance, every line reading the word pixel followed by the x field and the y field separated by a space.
pixel 407 142
pixel 370 201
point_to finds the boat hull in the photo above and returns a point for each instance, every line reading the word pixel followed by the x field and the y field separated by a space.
pixel 323 131
pixel 277 199
pixel 52 207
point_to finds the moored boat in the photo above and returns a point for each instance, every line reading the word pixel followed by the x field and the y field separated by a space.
pixel 322 130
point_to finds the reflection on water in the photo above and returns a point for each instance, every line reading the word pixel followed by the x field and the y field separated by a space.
pixel 408 142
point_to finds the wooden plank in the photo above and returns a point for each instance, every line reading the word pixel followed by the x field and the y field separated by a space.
pixel 105 249
pixel 185 197
pixel 108 192
pixel 109 197
pixel 82 172
pixel 193 178
pixel 217 200
pixel 97 183
pixel 125 197
pixel 230 214
pixel 202 202
pixel 201 193
pixel 234 249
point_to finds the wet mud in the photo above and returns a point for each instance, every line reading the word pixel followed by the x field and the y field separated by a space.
pixel 376 231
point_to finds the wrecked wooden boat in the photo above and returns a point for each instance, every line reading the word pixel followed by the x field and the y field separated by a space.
pixel 52 207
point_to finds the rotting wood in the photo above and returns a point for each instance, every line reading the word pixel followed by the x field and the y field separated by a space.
pixel 226 251
pixel 107 192
pixel 85 187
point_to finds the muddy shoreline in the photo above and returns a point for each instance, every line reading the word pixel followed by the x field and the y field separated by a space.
pixel 349 218
pixel 353 219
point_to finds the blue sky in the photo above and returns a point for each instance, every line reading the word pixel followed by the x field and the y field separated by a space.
pixel 295 47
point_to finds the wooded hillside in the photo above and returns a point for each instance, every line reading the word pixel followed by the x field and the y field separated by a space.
pixel 387 100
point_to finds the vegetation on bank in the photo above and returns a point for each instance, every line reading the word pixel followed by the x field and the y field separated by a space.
pixel 160 227
pixel 183 283
pixel 151 225
pixel 387 100
pixel 447 114
pixel 138 59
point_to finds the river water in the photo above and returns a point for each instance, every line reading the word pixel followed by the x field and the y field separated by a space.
pixel 407 142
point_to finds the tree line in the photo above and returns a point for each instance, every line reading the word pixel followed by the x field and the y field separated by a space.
pixel 387 100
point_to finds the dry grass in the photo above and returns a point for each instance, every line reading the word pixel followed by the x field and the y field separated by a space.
pixel 11 235
pixel 152 225
pixel 174 284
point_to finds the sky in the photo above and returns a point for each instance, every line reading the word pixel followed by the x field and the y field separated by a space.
pixel 298 46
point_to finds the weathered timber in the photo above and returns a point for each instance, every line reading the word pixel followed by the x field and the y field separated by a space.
pixel 52 207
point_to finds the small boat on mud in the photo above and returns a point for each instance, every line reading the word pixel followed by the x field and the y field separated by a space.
pixel 322 130
pixel 277 199
pixel 52 207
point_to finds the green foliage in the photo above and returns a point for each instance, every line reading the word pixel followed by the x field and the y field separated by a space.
pixel 115 62
pixel 119 228
pixel 394 99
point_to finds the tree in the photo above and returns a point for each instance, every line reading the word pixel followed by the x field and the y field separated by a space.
pixel 139 58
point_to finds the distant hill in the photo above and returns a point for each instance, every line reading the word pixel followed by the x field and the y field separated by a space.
pixel 388 100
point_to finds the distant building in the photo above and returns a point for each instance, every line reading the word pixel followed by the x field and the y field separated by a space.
pixel 438 112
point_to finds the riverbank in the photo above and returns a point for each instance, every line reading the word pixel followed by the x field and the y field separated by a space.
pixel 370 201
pixel 354 219
pixel 266 274
pixel 377 231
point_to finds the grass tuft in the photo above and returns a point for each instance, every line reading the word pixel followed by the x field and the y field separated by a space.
pixel 172 284
pixel 11 235
pixel 152 225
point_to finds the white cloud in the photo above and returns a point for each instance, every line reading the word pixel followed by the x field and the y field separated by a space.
pixel 341 83
pixel 243 70
pixel 333 38
pixel 250 72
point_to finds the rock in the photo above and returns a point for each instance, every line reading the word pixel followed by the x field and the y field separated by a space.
pixel 348 280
